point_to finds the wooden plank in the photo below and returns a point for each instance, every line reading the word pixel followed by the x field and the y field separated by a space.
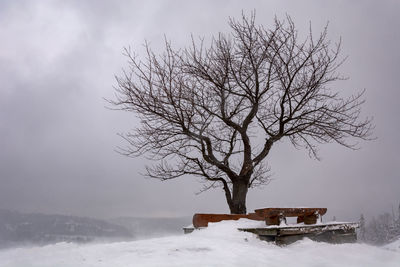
pixel 272 220
pixel 312 230
pixel 310 219
pixel 284 235
pixel 300 219
pixel 330 236
pixel 261 231
pixel 202 219
pixel 304 229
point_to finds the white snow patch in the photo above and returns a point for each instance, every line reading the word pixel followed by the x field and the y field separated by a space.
pixel 394 246
pixel 221 244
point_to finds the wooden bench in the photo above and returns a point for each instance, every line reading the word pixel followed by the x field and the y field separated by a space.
pixel 275 216
pixel 202 219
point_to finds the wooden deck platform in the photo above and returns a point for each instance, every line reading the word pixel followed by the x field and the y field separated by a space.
pixel 329 232
pixel 284 235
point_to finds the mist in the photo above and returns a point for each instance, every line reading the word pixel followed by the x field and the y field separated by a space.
pixel 58 138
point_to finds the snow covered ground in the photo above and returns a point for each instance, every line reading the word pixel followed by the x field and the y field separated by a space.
pixel 218 245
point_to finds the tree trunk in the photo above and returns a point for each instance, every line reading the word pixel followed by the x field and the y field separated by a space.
pixel 239 193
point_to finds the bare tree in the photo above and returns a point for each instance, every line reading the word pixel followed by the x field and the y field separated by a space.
pixel 215 111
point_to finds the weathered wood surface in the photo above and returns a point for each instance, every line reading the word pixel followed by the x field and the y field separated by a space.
pixel 330 236
pixel 284 235
pixel 289 212
pixel 202 219
pixel 274 216
pixel 300 229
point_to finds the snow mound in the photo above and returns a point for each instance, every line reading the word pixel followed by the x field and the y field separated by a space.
pixel 221 244
pixel 394 246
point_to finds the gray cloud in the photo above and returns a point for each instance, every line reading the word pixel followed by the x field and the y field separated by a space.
pixel 57 62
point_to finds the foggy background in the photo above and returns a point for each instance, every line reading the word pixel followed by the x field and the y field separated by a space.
pixel 57 63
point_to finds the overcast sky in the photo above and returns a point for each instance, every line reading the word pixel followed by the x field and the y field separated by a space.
pixel 57 63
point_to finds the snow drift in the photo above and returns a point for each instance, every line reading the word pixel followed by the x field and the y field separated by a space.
pixel 221 244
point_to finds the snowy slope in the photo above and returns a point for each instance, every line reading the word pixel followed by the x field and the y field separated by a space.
pixel 394 246
pixel 219 245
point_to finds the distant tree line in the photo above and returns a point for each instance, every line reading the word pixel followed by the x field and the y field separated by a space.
pixel 380 230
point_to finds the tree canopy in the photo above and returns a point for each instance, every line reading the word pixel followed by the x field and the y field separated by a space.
pixel 215 110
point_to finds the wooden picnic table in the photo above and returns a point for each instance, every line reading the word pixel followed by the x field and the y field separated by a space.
pixel 282 233
pixel 274 216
